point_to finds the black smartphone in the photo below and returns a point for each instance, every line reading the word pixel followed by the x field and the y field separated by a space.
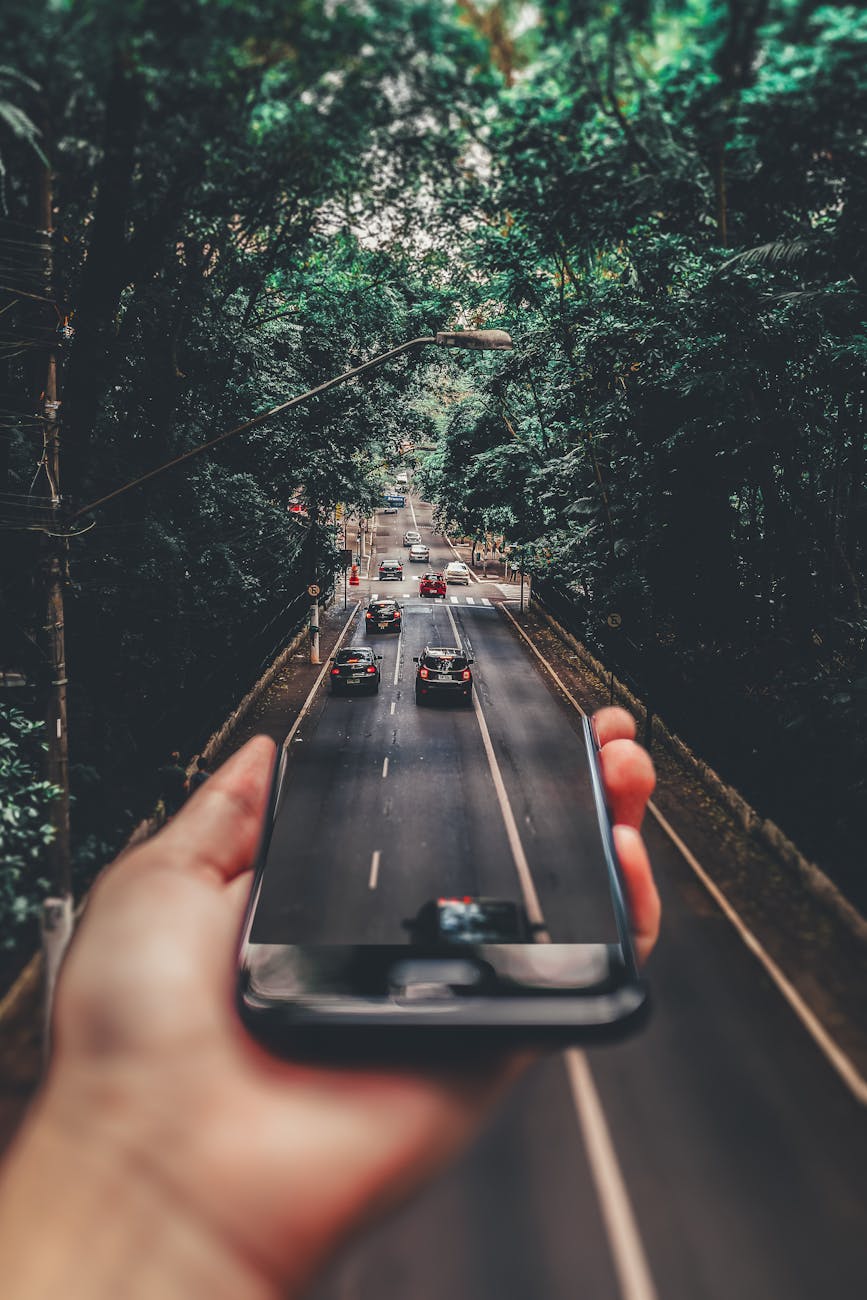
pixel 461 972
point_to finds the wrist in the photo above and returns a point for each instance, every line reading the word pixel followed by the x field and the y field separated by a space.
pixel 88 1210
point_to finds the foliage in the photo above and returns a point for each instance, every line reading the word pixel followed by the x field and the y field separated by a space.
pixel 25 822
pixel 665 206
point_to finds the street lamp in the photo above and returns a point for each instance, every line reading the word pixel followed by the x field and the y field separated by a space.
pixel 476 340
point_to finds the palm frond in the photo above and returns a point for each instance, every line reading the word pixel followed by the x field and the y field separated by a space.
pixel 780 253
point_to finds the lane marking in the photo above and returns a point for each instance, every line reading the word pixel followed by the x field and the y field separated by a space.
pixel 397 660
pixel 412 512
pixel 453 599
pixel 374 869
pixel 315 687
pixel 522 866
pixel 385 767
pixel 833 1053
pixel 485 600
pixel 470 600
pixel 624 1239
pixel 391 710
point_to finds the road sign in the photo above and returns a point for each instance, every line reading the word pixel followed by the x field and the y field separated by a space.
pixel 614 620
pixel 313 590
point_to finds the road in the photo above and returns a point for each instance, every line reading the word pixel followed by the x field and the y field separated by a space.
pixel 717 1155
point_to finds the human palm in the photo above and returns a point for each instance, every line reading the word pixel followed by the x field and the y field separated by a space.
pixel 274 1161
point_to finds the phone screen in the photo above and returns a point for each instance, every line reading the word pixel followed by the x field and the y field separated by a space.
pixel 368 896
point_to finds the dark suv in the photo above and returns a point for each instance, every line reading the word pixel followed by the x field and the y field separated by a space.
pixel 383 616
pixel 443 672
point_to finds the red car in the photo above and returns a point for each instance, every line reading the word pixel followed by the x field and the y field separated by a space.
pixel 432 584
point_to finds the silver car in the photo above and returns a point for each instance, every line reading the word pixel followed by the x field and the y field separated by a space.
pixel 411 537
pixel 457 571
pixel 419 554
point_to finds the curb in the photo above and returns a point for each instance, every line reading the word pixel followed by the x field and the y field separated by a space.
pixel 762 829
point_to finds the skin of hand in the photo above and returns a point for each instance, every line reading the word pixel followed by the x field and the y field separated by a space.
pixel 195 1162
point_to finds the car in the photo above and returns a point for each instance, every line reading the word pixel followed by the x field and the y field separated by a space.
pixel 383 616
pixel 389 510
pixel 443 673
pixel 402 479
pixel 355 669
pixel 431 584
pixel 457 571
pixel 411 537
pixel 469 920
pixel 390 569
pixel 419 554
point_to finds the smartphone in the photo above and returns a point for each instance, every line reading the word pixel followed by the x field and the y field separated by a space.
pixel 461 972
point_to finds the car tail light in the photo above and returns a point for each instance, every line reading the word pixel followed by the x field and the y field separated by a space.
pixel 423 672
pixel 368 616
pixel 466 674
pixel 371 668
pixel 335 672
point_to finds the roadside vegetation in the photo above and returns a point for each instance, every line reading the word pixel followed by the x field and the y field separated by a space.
pixel 665 206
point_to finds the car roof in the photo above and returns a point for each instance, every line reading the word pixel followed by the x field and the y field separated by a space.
pixel 456 564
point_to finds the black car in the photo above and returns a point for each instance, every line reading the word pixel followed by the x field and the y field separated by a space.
pixel 469 920
pixel 443 672
pixel 383 616
pixel 390 569
pixel 355 669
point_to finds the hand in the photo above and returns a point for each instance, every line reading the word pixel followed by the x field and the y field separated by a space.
pixel 245 1170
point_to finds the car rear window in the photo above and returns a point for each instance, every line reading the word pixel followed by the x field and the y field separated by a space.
pixel 445 663
pixel 383 607
pixel 353 656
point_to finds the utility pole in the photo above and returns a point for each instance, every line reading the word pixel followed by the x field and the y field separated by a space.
pixel 313 588
pixel 57 910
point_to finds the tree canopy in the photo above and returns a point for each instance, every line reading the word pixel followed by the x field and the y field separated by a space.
pixel 664 204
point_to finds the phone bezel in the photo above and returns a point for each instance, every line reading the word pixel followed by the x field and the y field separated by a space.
pixel 362 1026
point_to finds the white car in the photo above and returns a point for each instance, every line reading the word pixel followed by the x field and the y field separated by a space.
pixel 457 571
pixel 419 554
pixel 410 537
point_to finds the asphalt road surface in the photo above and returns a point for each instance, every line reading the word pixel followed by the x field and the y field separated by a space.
pixel 717 1155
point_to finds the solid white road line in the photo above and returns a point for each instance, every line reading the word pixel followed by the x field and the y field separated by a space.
pixel 412 512
pixel 836 1057
pixel 397 659
pixel 315 687
pixel 624 1240
pixel 522 866
pixel 385 767
pixel 374 869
